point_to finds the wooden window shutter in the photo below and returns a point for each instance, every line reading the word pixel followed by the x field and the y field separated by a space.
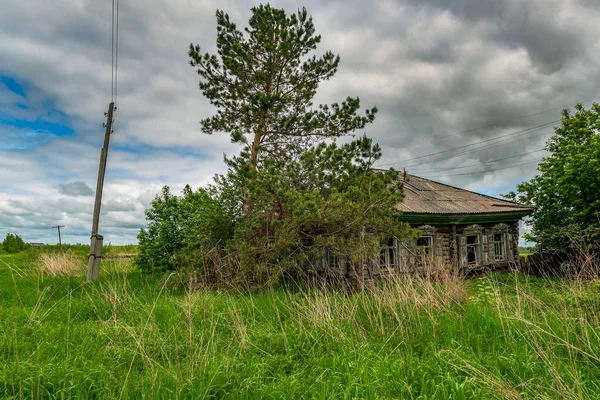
pixel 463 250
pixel 403 255
pixel 485 253
pixel 438 245
pixel 484 247
pixel 510 247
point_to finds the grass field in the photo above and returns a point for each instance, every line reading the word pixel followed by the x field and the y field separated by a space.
pixel 138 336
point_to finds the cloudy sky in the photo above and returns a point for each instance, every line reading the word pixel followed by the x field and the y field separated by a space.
pixel 467 91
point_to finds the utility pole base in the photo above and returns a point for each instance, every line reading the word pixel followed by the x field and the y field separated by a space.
pixel 95 257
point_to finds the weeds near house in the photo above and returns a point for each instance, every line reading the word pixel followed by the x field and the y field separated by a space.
pixel 130 335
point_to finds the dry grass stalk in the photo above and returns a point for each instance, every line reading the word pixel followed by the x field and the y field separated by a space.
pixel 60 264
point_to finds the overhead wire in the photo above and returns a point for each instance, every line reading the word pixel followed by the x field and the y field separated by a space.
pixel 117 55
pixel 478 164
pixel 486 171
pixel 112 53
pixel 514 134
pixel 499 123
pixel 469 151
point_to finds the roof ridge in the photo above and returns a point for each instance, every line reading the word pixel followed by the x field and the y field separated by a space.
pixel 513 203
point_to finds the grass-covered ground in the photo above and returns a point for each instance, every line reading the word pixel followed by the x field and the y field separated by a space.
pixel 135 336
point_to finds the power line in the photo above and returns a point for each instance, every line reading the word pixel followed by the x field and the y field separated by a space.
pixel 517 133
pixel 498 123
pixel 112 53
pixel 114 50
pixel 117 55
pixel 480 149
pixel 480 163
pixel 486 171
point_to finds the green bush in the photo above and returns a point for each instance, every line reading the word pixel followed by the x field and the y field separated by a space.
pixel 178 226
pixel 13 243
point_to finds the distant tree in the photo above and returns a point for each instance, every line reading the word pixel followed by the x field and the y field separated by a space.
pixel 566 191
pixel 263 81
pixel 13 243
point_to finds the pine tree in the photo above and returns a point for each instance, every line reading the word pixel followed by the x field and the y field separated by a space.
pixel 262 82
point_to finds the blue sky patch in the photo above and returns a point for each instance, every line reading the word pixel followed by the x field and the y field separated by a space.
pixel 28 117
pixel 13 86
pixel 38 126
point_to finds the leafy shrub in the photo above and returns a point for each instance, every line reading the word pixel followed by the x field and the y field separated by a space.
pixel 329 199
pixel 178 226
pixel 13 243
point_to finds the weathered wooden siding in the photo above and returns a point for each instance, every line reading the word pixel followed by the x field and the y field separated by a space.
pixel 449 249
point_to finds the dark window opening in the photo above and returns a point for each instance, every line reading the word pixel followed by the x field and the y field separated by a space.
pixel 426 244
pixel 472 245
pixel 388 254
pixel 335 261
pixel 499 246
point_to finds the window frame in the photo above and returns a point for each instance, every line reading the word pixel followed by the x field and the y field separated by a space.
pixel 424 248
pixel 501 244
pixel 475 246
pixel 385 250
pixel 335 261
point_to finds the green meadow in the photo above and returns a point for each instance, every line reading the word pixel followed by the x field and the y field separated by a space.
pixel 129 335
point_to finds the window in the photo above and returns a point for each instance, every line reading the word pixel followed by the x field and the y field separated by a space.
pixel 388 255
pixel 499 246
pixel 425 243
pixel 335 261
pixel 472 249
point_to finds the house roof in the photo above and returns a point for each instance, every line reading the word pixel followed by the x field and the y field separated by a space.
pixel 424 196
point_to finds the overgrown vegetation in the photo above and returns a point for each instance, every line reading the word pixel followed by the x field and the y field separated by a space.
pixel 54 264
pixel 288 198
pixel 328 199
pixel 132 335
pixel 565 192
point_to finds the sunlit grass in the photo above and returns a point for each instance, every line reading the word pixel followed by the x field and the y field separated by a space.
pixel 132 336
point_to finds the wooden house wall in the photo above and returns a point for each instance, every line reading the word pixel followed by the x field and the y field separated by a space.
pixel 449 249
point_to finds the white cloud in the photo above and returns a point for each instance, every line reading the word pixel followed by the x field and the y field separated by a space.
pixel 433 68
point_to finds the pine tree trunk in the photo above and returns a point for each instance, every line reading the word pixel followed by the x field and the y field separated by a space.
pixel 258 136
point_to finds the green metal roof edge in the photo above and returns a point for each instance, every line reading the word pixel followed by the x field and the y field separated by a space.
pixel 440 219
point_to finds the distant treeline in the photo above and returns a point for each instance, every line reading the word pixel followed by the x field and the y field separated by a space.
pixel 527 250
pixel 75 248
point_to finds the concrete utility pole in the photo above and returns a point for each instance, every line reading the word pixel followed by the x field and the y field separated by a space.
pixel 59 240
pixel 96 240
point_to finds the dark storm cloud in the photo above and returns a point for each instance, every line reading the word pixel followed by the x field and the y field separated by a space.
pixel 75 189
pixel 433 68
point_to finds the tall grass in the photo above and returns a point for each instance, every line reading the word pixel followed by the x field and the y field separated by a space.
pixel 131 336
pixel 55 264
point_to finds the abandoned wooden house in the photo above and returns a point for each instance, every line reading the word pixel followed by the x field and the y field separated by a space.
pixel 457 228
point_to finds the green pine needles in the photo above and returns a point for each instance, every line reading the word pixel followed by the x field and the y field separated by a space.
pixel 263 80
